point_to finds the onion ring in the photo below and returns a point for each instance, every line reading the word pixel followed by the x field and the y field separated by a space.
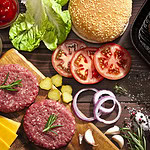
pixel 98 108
pixel 100 93
pixel 76 110
pixel 98 105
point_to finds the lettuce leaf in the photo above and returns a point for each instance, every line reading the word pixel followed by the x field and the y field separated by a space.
pixel 50 38
pixel 24 35
pixel 44 20
pixel 36 13
pixel 60 19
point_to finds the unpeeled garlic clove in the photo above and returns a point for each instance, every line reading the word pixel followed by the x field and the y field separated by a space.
pixel 112 131
pixel 119 139
pixel 89 137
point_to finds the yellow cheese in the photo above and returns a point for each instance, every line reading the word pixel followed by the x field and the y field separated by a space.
pixel 7 135
pixel 11 124
pixel 4 145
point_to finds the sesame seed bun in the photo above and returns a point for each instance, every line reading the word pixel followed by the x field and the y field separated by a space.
pixel 100 21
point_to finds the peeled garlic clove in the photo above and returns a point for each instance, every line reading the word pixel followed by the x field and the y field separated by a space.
pixel 80 138
pixel 89 137
pixel 112 131
pixel 119 139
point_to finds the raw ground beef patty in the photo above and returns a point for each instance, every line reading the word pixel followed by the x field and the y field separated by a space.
pixel 36 118
pixel 11 101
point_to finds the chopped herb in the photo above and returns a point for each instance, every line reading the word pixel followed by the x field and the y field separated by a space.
pixel 120 90
pixel 49 125
pixel 10 87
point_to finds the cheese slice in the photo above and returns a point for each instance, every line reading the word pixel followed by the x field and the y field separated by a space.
pixel 7 135
pixel 4 145
pixel 11 124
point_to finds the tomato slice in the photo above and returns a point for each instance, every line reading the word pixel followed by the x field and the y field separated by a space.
pixel 82 66
pixel 63 54
pixel 112 61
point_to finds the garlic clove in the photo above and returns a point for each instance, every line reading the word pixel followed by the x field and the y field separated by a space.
pixel 112 131
pixel 80 138
pixel 88 136
pixel 119 139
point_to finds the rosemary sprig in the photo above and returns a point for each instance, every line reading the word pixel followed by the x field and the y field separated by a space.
pixel 10 87
pixel 49 125
pixel 136 141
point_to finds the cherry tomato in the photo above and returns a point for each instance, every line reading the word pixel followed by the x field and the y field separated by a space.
pixel 82 66
pixel 63 54
pixel 112 61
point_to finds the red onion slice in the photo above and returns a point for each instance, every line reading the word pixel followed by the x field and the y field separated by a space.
pixel 75 107
pixel 99 104
pixel 100 94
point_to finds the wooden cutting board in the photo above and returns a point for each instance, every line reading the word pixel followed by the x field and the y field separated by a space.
pixel 103 143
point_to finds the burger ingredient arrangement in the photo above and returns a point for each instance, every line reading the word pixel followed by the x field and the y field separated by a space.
pixel 101 23
pixel 90 65
pixel 49 24
pixel 50 120
pixel 99 98
pixel 54 121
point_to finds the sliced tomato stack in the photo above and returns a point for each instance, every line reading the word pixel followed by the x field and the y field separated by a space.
pixel 89 65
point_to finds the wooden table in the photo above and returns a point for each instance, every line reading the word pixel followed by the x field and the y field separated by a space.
pixel 137 82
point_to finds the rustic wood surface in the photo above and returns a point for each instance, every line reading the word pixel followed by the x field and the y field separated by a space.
pixel 137 82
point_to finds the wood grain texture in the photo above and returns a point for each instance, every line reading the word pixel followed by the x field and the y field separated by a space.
pixel 137 82
pixel 14 57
